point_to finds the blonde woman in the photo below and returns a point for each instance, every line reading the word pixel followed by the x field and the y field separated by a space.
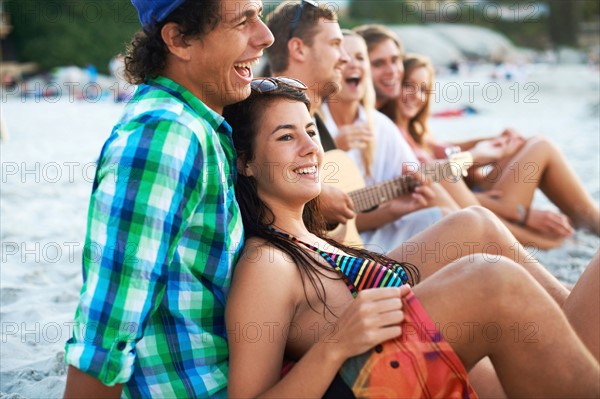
pixel 374 143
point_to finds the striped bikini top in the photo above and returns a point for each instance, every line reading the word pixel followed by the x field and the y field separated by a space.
pixel 358 273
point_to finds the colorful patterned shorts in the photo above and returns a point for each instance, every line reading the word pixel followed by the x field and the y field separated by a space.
pixel 418 364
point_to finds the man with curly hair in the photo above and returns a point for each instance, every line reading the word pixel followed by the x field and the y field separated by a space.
pixel 164 229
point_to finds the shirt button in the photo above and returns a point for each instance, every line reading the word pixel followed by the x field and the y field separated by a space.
pixel 394 364
pixel 379 349
pixel 121 345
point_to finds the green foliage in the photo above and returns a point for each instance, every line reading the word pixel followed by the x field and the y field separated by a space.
pixel 71 32
pixel 386 11
pixel 522 22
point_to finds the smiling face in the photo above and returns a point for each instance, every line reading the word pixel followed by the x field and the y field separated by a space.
pixel 387 70
pixel 326 58
pixel 415 92
pixel 287 155
pixel 219 68
pixel 356 72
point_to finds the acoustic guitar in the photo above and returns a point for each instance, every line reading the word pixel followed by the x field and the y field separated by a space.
pixel 339 170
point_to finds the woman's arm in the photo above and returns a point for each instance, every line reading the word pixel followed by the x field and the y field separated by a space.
pixel 544 221
pixel 467 144
pixel 265 295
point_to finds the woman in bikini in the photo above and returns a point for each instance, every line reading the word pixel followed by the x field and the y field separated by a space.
pixel 301 296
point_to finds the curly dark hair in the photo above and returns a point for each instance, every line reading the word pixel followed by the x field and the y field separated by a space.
pixel 245 119
pixel 146 56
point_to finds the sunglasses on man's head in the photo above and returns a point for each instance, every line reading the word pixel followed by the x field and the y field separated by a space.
pixel 265 85
pixel 298 15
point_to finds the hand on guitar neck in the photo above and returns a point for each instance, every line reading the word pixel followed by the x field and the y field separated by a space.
pixel 341 171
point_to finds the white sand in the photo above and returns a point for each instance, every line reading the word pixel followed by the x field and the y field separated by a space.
pixel 47 170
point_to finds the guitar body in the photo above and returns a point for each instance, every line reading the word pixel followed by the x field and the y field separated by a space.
pixel 340 171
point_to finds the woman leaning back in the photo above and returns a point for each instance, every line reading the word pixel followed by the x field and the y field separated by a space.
pixel 539 162
pixel 297 294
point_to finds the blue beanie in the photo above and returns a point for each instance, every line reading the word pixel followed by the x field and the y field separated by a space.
pixel 152 12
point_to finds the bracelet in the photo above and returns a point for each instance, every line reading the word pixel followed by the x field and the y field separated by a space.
pixel 523 214
pixel 451 150
pixel 526 218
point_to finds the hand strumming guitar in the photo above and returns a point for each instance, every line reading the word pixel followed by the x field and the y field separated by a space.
pixel 336 206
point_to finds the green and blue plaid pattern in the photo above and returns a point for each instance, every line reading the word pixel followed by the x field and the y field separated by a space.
pixel 164 233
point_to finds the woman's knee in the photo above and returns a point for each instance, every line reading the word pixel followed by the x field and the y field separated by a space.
pixel 493 276
pixel 540 144
pixel 481 218
pixel 445 210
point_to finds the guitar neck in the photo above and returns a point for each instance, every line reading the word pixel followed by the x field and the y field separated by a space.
pixel 369 198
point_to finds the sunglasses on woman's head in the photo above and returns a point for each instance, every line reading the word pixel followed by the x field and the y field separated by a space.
pixel 265 85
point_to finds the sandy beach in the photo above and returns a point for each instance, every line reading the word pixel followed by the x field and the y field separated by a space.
pixel 48 166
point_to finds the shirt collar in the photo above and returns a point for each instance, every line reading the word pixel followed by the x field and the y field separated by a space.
pixel 216 121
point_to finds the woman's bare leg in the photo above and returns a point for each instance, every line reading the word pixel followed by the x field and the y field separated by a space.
pixel 581 307
pixel 541 164
pixel 471 231
pixel 485 382
pixel 530 336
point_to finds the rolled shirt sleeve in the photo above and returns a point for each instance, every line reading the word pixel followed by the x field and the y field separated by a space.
pixel 144 193
pixel 164 232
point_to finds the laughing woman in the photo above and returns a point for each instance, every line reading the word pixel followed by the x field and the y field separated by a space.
pixel 375 145
pixel 300 296
pixel 538 162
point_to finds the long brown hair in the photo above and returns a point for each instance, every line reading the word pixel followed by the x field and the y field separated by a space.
pixel 367 154
pixel 417 126
pixel 245 118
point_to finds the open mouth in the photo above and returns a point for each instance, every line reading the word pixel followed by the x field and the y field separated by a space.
pixel 310 170
pixel 389 83
pixel 353 82
pixel 244 69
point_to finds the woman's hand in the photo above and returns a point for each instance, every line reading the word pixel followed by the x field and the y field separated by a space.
pixel 374 317
pixel 512 134
pixel 357 135
pixel 514 141
pixel 490 150
pixel 549 222
pixel 505 145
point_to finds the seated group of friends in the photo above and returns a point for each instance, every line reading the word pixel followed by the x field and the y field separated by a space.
pixel 438 299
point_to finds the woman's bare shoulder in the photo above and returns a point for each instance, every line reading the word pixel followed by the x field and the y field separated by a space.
pixel 261 263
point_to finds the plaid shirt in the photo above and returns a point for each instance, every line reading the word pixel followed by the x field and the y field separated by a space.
pixel 164 232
